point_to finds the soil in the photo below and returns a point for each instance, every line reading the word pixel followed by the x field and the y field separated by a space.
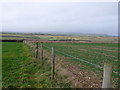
pixel 79 78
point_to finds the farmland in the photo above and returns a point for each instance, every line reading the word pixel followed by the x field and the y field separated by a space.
pixel 82 59
pixel 64 37
pixel 10 36
pixel 19 70
pixel 59 44
pixel 95 54
pixel 108 39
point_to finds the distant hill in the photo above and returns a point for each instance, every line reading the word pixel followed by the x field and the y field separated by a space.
pixel 58 33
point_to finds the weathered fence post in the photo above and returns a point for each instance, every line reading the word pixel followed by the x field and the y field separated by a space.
pixel 41 56
pixel 107 81
pixel 53 64
pixel 36 51
pixel 33 49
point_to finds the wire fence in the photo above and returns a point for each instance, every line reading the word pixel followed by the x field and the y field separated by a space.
pixel 85 61
pixel 35 48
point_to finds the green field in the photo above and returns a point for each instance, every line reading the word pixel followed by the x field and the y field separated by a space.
pixel 20 70
pixel 97 53
pixel 17 36
pixel 92 53
pixel 1 65
pixel 81 38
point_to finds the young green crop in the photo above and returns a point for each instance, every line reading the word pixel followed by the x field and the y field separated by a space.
pixel 96 53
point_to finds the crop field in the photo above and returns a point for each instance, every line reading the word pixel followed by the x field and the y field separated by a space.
pixel 20 70
pixel 85 57
pixel 16 36
pixel 92 52
pixel 92 55
pixel 108 39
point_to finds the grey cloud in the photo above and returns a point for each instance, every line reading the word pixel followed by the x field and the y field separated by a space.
pixel 69 17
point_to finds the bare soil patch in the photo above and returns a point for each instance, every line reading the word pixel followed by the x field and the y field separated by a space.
pixel 78 78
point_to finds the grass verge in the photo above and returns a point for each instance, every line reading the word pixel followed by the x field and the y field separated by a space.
pixel 21 70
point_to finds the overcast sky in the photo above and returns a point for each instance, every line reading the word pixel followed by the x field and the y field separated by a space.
pixel 87 17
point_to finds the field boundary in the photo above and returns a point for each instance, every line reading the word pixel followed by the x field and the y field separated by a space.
pixel 36 47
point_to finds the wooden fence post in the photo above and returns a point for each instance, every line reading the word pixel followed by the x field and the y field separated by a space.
pixel 36 51
pixel 107 79
pixel 53 64
pixel 41 56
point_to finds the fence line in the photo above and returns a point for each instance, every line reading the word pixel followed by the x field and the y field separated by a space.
pixel 97 66
pixel 36 47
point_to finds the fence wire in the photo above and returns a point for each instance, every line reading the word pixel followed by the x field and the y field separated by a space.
pixel 93 64
pixel 31 44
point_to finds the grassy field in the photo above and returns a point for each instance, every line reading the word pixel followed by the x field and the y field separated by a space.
pixel 20 70
pixel 109 39
pixel 98 53
pixel 17 36
pixel 0 65
pixel 95 53
pixel 17 57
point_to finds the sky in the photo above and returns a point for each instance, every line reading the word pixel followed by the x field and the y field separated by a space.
pixel 77 17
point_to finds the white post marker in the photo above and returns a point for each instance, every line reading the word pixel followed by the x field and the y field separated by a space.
pixel 107 79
